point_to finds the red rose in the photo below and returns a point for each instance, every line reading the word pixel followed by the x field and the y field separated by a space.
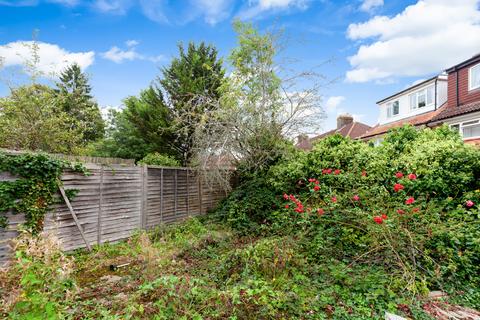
pixel 334 199
pixel 397 187
pixel 336 172
pixel 311 180
pixel 378 219
pixel 415 209
pixel 412 176
pixel 364 173
pixel 285 196
pixel 316 188
pixel 410 200
pixel 320 211
pixel 317 182
pixel 399 175
pixel 355 197
pixel 384 216
pixel 400 211
pixel 328 171
pixel 469 203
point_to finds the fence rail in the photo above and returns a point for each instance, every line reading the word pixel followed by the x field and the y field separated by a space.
pixel 115 200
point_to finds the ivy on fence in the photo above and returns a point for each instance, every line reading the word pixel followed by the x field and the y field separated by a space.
pixel 33 191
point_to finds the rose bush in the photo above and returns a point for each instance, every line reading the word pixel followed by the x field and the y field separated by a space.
pixel 408 206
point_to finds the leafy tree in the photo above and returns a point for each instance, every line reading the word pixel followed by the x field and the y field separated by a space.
pixel 260 106
pixel 196 74
pixel 142 127
pixel 74 98
pixel 30 119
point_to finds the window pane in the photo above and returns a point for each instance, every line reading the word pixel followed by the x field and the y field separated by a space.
pixel 471 131
pixel 413 101
pixel 430 95
pixel 421 99
pixel 475 77
pixel 455 127
pixel 396 108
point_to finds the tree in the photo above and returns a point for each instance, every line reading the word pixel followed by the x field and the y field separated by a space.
pixel 262 104
pixel 196 74
pixel 142 127
pixel 74 98
pixel 30 119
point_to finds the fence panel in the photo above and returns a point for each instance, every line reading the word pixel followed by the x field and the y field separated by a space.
pixel 115 200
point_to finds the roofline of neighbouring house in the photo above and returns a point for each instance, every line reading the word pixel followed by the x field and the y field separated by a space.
pixel 475 58
pixel 410 88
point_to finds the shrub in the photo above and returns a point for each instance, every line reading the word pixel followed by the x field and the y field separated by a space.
pixel 408 207
pixel 158 159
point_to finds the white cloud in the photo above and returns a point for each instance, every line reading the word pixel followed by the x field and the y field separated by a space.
pixel 259 7
pixel 332 103
pixel 52 58
pixel 369 5
pixel 154 10
pixel 118 55
pixel 119 7
pixel 132 43
pixel 425 38
pixel 213 11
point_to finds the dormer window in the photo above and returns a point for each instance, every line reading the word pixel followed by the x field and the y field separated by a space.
pixel 474 77
pixel 422 98
pixel 393 108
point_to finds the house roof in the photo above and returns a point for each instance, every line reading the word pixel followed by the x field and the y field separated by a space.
pixel 417 120
pixel 452 110
pixel 439 77
pixel 353 130
pixel 475 58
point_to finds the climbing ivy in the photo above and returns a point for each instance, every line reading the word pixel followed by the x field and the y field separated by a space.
pixel 37 178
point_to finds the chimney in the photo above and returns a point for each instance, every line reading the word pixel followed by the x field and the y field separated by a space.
pixel 301 139
pixel 343 120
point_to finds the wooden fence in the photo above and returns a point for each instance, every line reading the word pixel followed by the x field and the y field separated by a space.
pixel 115 200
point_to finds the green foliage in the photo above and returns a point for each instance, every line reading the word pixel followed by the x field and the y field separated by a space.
pixel 191 79
pixel 45 278
pixel 74 98
pixel 33 192
pixel 142 127
pixel 429 244
pixel 158 159
pixel 31 119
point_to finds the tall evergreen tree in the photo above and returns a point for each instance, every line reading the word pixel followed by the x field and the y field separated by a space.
pixel 74 98
pixel 195 75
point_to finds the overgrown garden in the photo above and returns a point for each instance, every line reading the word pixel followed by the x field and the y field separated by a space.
pixel 345 231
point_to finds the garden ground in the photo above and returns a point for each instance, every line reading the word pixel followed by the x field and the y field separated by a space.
pixel 200 269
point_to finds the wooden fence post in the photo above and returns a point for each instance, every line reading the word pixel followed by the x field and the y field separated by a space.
pixel 144 197
pixel 100 209
pixel 200 196
pixel 176 192
pixel 161 196
pixel 69 205
pixel 188 194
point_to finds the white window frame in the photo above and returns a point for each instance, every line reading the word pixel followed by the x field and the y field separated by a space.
pixel 423 91
pixel 470 77
pixel 466 124
pixel 390 109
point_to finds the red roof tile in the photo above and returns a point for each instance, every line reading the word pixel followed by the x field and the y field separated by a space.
pixel 353 130
pixel 452 111
pixel 414 121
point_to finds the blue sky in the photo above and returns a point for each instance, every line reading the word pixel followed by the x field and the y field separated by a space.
pixel 376 47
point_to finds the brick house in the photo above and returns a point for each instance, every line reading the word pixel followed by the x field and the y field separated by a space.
pixel 346 127
pixel 462 111
pixel 452 98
